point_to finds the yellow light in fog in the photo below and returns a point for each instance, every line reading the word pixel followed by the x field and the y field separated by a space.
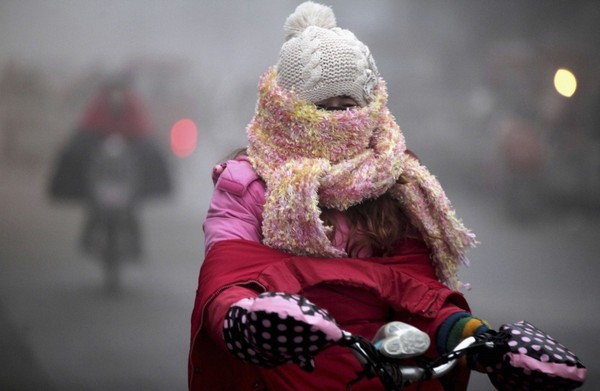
pixel 565 82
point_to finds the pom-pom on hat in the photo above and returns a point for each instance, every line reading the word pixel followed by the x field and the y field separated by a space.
pixel 320 60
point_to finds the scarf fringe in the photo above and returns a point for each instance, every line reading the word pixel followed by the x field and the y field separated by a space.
pixel 426 205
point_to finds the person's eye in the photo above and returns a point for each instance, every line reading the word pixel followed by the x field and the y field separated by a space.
pixel 335 108
pixel 327 108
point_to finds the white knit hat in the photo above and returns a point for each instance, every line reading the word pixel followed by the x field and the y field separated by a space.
pixel 320 60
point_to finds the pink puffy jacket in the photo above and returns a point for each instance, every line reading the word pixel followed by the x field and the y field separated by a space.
pixel 236 208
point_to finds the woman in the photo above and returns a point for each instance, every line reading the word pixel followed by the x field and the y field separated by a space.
pixel 326 206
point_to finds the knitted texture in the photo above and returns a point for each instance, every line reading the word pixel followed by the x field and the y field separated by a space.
pixel 429 210
pixel 456 328
pixel 320 60
pixel 312 158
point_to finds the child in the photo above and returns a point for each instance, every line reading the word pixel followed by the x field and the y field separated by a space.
pixel 326 209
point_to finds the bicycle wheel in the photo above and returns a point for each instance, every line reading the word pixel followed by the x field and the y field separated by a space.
pixel 111 258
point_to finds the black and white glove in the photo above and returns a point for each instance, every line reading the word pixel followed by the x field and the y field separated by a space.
pixel 277 328
pixel 530 359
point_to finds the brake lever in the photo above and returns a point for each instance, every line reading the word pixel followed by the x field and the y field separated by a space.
pixel 373 363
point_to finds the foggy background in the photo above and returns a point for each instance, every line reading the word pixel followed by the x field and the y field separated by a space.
pixel 470 83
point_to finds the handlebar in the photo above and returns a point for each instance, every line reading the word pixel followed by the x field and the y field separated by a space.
pixel 396 376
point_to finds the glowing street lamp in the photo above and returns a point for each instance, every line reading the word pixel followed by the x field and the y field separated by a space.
pixel 565 82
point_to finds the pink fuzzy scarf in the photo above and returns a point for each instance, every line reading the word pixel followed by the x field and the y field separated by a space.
pixel 311 158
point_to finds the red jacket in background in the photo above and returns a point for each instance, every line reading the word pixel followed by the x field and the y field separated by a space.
pixel 132 122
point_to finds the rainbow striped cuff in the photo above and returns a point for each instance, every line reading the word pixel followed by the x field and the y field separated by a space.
pixel 457 327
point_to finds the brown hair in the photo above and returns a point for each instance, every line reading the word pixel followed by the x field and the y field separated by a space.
pixel 378 224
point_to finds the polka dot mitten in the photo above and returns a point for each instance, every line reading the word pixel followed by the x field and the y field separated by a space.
pixel 533 360
pixel 277 328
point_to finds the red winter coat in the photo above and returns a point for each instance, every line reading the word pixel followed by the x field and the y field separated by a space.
pixel 361 294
